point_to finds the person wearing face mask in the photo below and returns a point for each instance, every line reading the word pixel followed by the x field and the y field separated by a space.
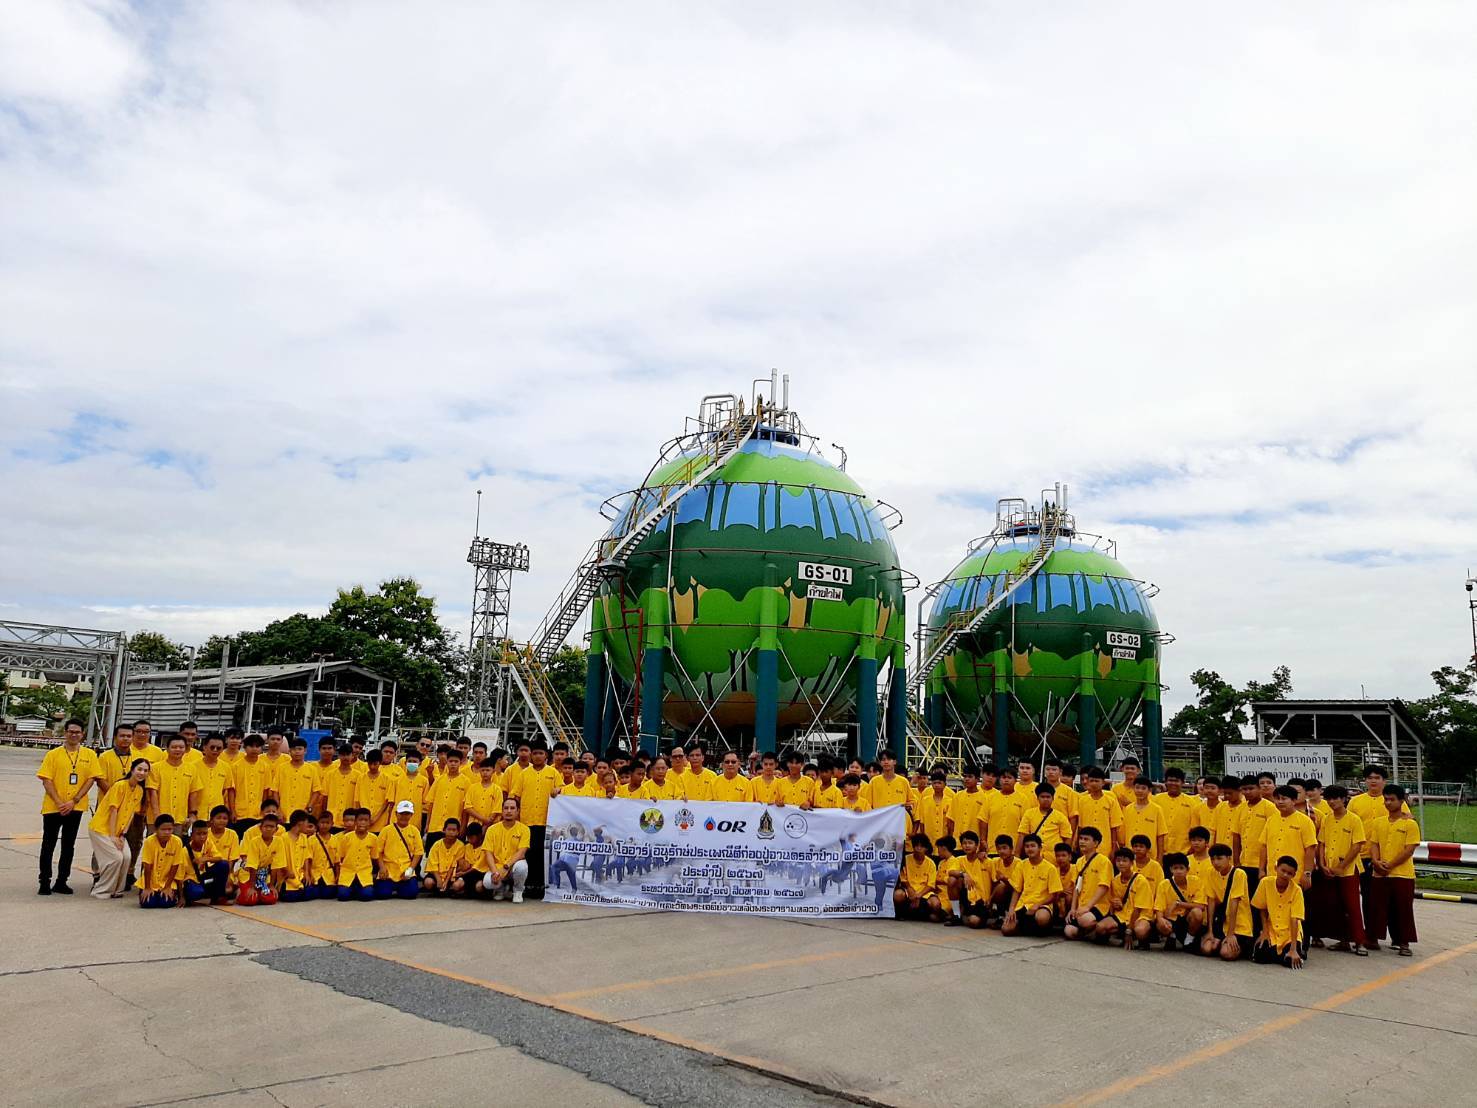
pixel 411 785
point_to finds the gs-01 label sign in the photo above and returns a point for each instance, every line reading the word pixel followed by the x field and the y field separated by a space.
pixel 827 574
pixel 1123 638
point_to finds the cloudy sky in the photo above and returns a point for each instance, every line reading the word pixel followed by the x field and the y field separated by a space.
pixel 282 285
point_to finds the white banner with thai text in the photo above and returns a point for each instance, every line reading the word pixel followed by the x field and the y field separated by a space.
pixel 1285 761
pixel 691 856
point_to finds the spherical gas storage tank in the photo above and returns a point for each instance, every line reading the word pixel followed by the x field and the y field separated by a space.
pixel 1074 646
pixel 771 589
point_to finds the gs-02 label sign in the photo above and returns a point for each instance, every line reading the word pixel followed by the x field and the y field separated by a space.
pixel 1123 638
pixel 826 574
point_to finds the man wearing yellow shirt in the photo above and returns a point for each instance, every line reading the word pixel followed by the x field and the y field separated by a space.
pixel 375 790
pixel 1181 811
pixel 1280 901
pixel 888 787
pixel 1334 910
pixel 515 769
pixel 250 780
pixel 664 783
pixel 398 853
pixel 535 787
pixel 1008 807
pixel 766 785
pixel 1064 797
pixel 447 797
pixel 161 859
pixel 1179 905
pixel 1253 829
pixel 1123 791
pixel 934 808
pixel 483 802
pixel 965 809
pixel 174 786
pixel 1047 823
pixel 916 896
pixel 355 853
pixel 730 786
pixel 1231 934
pixel 297 779
pixel 795 789
pixel 698 781
pixel 1392 887
pixel 113 764
pixel 1289 833
pixel 1099 808
pixel 1035 886
pixel 339 788
pixel 108 827
pixel 214 774
pixel 66 775
pixel 190 732
pixel 505 854
pixel 1224 819
pixel 1091 886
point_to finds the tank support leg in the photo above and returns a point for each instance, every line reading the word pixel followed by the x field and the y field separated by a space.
pixel 594 700
pixel 651 698
pixel 897 711
pixel 767 701
pixel 866 707
pixel 1087 706
pixel 1154 739
pixel 1001 736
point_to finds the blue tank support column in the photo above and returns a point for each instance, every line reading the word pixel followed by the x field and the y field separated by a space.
pixel 1087 706
pixel 1000 717
pixel 651 671
pixel 1154 738
pixel 897 705
pixel 866 681
pixel 767 668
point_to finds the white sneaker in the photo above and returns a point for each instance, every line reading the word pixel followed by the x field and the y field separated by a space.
pixel 497 893
pixel 517 898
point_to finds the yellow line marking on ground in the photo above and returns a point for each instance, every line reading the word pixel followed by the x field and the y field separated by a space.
pixel 296 929
pixel 751 967
pixel 1261 1031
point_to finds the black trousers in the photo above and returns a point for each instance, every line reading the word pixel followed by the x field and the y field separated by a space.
pixel 534 889
pixel 54 827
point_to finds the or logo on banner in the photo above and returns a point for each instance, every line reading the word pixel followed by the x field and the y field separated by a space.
pixel 652 820
pixel 795 826
pixel 766 826
pixel 728 826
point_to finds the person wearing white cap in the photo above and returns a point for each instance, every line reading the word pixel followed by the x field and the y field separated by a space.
pixel 398 861
pixel 505 853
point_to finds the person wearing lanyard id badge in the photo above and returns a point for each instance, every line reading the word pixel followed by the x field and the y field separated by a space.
pixel 67 773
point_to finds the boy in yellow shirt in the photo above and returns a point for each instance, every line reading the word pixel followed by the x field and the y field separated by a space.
pixel 1280 900
pixel 322 869
pixel 1132 901
pixel 916 896
pixel 299 843
pixel 1180 809
pixel 796 789
pixel 1179 905
pixel 1144 863
pixel 1230 934
pixel 355 852
pixel 969 883
pixel 1002 878
pixel 447 861
pixel 1035 886
pixel 400 851
pixel 484 797
pixel 1090 887
pixel 222 848
pixel 1045 822
pixel 1392 890
pixel 1144 817
pixel 1123 791
pixel 1336 911
pixel 934 807
pixel 1099 808
pixel 888 787
pixel 162 858
pixel 1200 865
pixel 264 864
pixel 853 795
pixel 192 873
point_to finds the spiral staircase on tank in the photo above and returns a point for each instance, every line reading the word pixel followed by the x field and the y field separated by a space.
pixel 1049 523
pixel 729 430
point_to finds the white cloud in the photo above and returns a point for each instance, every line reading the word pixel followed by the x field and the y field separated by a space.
pixel 309 269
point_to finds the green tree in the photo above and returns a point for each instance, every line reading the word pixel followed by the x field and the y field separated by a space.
pixel 567 675
pixel 1220 709
pixel 156 649
pixel 1449 719
pixel 49 701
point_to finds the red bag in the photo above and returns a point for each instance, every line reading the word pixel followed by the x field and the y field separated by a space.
pixel 267 896
pixel 246 896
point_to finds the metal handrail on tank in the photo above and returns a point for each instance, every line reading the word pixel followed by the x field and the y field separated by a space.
pixel 607 554
pixel 1048 524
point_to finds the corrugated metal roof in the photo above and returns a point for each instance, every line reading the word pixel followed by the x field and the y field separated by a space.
pixel 237 676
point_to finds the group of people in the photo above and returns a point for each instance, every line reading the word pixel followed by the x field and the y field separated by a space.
pixel 1238 868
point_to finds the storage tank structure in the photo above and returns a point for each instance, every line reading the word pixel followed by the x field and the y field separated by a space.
pixel 764 600
pixel 1040 639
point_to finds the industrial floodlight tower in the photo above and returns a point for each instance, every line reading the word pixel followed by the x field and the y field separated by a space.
pixel 494 564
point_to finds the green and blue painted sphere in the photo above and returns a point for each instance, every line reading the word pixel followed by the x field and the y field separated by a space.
pixel 1081 615
pixel 728 562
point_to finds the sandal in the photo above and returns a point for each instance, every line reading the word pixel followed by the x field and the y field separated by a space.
pixel 1404 952
pixel 1359 951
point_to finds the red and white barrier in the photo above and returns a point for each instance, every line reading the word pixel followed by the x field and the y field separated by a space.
pixel 1447 854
